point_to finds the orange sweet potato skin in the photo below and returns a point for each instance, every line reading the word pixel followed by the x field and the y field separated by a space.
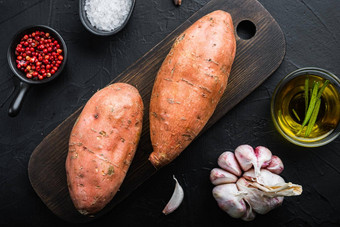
pixel 102 145
pixel 189 85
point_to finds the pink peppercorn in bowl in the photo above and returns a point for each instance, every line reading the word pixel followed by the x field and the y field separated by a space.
pixel 36 55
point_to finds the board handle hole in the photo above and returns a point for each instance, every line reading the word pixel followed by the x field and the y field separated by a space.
pixel 246 29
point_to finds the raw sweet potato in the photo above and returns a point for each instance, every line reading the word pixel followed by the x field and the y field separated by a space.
pixel 102 145
pixel 189 84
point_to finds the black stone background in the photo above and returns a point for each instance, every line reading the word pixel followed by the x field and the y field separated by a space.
pixel 312 32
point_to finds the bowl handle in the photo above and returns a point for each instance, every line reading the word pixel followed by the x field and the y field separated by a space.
pixel 16 104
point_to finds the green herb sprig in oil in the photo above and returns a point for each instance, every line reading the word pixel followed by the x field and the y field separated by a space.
pixel 312 106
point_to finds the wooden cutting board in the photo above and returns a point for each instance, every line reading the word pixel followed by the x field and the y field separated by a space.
pixel 256 59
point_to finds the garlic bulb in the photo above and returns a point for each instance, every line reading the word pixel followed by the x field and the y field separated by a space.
pixel 259 189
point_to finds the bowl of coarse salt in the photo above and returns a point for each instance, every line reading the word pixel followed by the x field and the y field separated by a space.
pixel 105 17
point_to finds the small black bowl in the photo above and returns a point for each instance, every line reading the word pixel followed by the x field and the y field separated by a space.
pixel 97 31
pixel 26 83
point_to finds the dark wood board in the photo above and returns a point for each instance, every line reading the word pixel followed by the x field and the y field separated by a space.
pixel 256 59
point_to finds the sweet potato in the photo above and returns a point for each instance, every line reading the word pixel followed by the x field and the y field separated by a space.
pixel 102 145
pixel 189 84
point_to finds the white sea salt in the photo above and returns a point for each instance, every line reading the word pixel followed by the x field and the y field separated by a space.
pixel 106 15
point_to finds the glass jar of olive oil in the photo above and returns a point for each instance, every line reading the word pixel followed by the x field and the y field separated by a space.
pixel 289 108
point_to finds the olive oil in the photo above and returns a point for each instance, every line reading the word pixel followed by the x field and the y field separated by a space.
pixel 290 109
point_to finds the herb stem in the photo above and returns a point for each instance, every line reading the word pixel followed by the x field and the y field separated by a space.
pixel 313 118
pixel 306 94
pixel 311 106
pixel 322 88
pixel 296 115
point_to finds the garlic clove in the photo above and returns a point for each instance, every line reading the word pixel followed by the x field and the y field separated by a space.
pixel 230 200
pixel 220 176
pixel 267 178
pixel 276 165
pixel 264 157
pixel 262 204
pixel 245 156
pixel 175 200
pixel 227 161
pixel 250 214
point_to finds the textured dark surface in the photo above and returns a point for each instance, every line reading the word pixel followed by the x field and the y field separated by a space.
pixel 312 32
